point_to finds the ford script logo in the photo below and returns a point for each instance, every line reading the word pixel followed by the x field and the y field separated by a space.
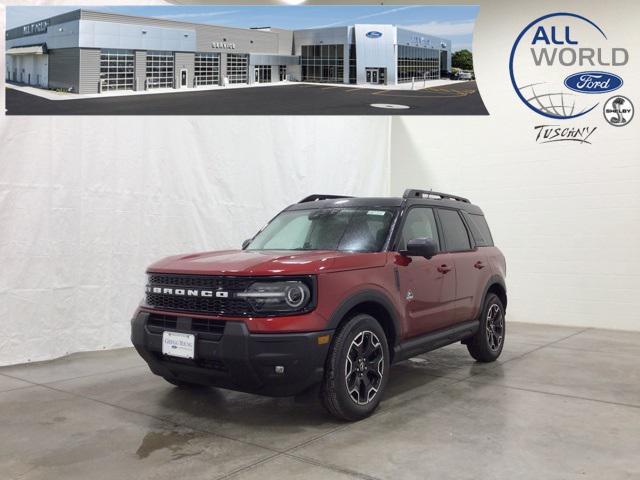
pixel 374 34
pixel 593 82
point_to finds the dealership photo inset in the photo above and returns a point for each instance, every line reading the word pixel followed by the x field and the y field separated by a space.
pixel 275 60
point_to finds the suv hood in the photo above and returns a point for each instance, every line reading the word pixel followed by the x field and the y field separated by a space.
pixel 247 262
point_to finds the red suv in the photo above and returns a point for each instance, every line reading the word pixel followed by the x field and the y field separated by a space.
pixel 332 291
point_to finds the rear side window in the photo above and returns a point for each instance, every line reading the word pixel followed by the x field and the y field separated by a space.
pixel 455 233
pixel 479 229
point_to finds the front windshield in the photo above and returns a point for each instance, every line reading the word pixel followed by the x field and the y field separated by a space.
pixel 346 229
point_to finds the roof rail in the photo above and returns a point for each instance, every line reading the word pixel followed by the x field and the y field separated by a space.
pixel 411 193
pixel 315 197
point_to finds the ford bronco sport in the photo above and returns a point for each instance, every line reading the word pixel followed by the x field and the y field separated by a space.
pixel 332 291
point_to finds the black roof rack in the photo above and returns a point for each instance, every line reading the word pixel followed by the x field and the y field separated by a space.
pixel 315 197
pixel 411 193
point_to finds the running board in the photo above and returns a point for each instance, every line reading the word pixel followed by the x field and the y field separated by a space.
pixel 430 341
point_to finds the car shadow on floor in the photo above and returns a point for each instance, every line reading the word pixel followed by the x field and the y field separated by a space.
pixel 216 406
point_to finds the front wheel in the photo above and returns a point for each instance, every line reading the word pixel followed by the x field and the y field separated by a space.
pixel 357 369
pixel 486 345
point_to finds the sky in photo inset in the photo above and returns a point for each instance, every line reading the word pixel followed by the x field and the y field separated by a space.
pixel 453 22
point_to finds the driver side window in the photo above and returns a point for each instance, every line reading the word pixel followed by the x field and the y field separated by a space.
pixel 419 223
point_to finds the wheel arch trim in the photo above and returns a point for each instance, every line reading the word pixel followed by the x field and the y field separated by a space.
pixel 494 280
pixel 363 297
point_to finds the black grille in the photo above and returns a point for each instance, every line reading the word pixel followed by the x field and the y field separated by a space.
pixel 207 326
pixel 230 306
pixel 206 329
pixel 221 283
pixel 163 322
pixel 216 306
pixel 235 307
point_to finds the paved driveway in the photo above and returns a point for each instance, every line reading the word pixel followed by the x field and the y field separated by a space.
pixel 297 99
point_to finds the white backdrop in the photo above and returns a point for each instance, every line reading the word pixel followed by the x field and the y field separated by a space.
pixel 87 203
pixel 566 215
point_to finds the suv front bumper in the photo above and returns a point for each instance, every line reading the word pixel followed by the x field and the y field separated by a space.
pixel 236 359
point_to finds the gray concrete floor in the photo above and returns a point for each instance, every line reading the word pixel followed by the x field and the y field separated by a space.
pixel 561 403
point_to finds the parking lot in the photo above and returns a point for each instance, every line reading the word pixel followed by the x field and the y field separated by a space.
pixel 297 99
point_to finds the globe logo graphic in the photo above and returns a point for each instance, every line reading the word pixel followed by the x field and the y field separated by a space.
pixel 550 50
pixel 555 104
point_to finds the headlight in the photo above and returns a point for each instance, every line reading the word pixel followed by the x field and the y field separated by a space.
pixel 281 296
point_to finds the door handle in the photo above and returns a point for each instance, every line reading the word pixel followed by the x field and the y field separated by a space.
pixel 479 265
pixel 444 269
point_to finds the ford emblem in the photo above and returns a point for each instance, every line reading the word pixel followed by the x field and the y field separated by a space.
pixel 374 34
pixel 593 82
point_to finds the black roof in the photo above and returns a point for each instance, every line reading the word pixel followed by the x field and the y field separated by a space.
pixel 410 198
pixel 348 202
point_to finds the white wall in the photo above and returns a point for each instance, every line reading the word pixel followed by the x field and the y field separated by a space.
pixel 568 224
pixel 567 216
pixel 87 203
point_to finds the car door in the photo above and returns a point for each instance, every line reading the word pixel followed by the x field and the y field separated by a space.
pixel 427 287
pixel 470 263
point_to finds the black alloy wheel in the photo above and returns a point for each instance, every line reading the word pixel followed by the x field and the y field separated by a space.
pixel 495 327
pixel 487 343
pixel 364 367
pixel 357 369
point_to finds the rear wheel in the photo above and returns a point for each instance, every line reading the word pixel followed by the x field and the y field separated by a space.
pixel 357 369
pixel 486 345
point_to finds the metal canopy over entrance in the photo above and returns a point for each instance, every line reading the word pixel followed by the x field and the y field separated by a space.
pixel 30 50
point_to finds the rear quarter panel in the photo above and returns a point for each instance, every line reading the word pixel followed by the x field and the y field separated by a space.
pixel 498 269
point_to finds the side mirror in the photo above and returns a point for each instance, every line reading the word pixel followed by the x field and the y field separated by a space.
pixel 421 247
pixel 246 243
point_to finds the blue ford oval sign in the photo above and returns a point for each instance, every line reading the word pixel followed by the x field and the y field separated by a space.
pixel 374 34
pixel 593 82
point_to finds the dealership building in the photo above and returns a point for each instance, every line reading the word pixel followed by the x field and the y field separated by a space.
pixel 86 52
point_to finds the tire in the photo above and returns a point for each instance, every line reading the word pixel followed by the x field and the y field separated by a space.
pixel 486 345
pixel 356 370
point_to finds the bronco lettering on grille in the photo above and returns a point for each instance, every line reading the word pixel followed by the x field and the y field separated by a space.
pixel 187 292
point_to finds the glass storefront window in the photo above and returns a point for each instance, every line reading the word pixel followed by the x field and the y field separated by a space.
pixel 352 64
pixel 323 63
pixel 418 63
pixel 263 73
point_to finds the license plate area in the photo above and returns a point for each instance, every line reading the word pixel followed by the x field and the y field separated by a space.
pixel 181 345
